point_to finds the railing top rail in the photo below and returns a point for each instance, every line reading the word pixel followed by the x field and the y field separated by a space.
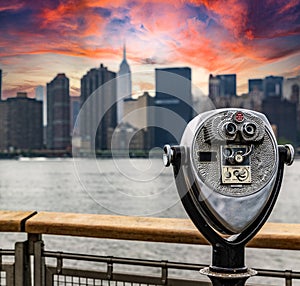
pixel 14 221
pixel 170 230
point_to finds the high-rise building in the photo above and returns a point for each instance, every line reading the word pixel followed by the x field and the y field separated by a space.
pixel 228 85
pixel 74 110
pixel 255 85
pixel 58 113
pixel 272 86
pixel 0 84
pixel 283 114
pixel 214 87
pixel 21 125
pixel 39 93
pixel 291 92
pixel 173 104
pixel 291 89
pixel 101 85
pixel 124 85
pixel 41 96
pixel 127 137
pixel 138 112
pixel 223 85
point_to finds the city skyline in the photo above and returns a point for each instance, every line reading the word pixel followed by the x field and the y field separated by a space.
pixel 252 39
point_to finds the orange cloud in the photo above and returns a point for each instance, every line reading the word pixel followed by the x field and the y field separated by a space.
pixel 143 85
pixel 73 17
pixel 232 13
pixel 73 50
pixel 218 36
pixel 22 87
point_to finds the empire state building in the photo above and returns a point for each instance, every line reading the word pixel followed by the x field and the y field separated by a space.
pixel 123 85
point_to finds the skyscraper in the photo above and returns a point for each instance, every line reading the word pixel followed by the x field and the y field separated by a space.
pixel 137 114
pixel 283 114
pixel 214 87
pixel 39 93
pixel 58 113
pixel 273 86
pixel 40 96
pixel 124 86
pixel 291 92
pixel 223 85
pixel 74 110
pixel 102 103
pixel 291 88
pixel 173 104
pixel 255 85
pixel 21 125
pixel 228 85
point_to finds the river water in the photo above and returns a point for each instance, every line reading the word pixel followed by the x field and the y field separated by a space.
pixel 128 187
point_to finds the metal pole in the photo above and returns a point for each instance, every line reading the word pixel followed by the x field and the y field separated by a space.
pixel 227 282
pixel 22 264
pixel 39 263
pixel 228 266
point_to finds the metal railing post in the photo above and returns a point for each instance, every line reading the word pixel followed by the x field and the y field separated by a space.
pixel 39 264
pixel 288 277
pixel 22 264
pixel 36 248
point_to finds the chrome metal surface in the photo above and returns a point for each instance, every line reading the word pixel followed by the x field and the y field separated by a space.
pixel 290 154
pixel 236 188
pixel 168 155
pixel 247 274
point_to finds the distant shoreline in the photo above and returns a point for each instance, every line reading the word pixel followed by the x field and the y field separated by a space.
pixel 66 154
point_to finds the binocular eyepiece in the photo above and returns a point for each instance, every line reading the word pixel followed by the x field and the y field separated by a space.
pixel 230 128
pixel 248 129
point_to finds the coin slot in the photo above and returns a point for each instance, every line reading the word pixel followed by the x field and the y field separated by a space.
pixel 207 156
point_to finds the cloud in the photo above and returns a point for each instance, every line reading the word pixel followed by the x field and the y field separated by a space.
pixel 152 61
pixel 292 72
pixel 22 87
pixel 219 36
pixel 13 5
pixel 74 90
pixel 142 86
pixel 81 27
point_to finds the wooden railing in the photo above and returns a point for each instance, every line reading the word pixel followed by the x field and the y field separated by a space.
pixel 170 230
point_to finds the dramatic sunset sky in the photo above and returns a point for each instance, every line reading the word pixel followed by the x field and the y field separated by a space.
pixel 40 38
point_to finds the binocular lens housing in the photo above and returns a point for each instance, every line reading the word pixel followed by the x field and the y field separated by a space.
pixel 230 128
pixel 232 161
pixel 249 129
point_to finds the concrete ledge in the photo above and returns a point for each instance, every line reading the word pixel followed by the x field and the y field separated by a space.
pixel 272 235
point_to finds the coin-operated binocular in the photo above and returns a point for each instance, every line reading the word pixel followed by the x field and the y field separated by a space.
pixel 228 171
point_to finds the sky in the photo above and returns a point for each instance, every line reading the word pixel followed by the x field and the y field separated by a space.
pixel 252 38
